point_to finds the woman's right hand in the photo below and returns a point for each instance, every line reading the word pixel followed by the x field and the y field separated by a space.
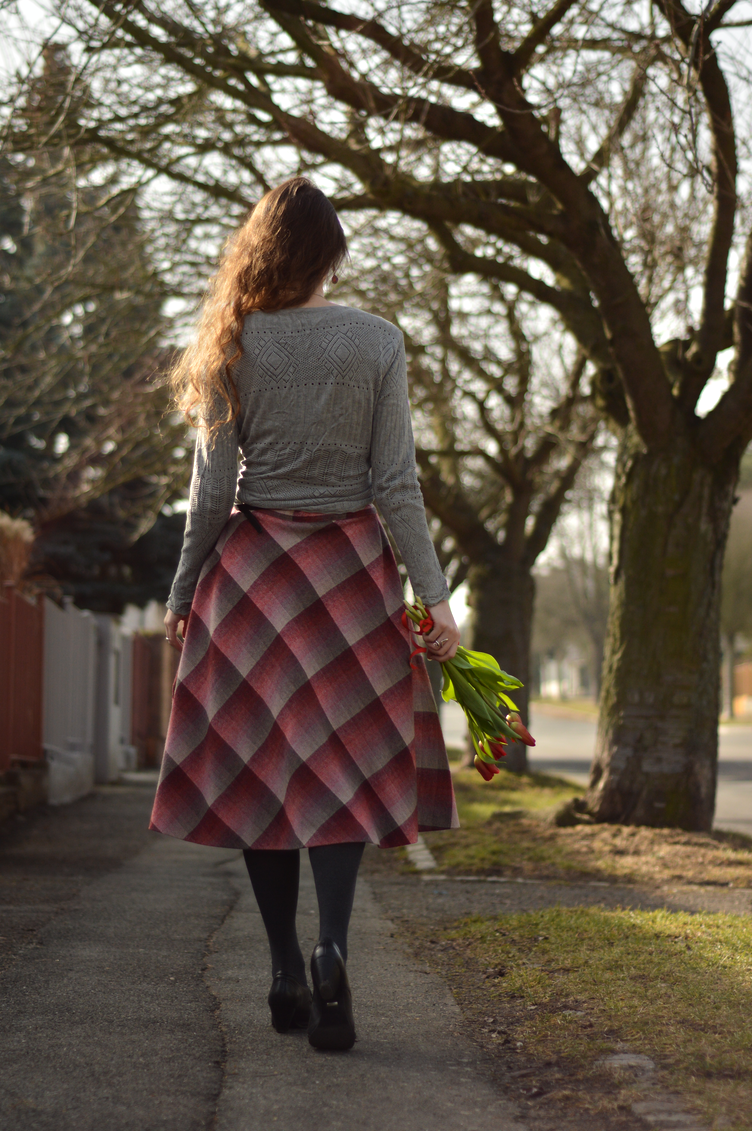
pixel 173 622
pixel 444 633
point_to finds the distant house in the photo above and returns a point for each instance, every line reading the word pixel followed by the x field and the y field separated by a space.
pixel 565 674
pixel 742 699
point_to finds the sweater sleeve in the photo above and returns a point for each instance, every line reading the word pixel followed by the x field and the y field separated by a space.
pixel 212 494
pixel 395 482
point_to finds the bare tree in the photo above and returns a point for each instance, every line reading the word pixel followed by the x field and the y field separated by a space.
pixel 581 542
pixel 587 156
pixel 504 419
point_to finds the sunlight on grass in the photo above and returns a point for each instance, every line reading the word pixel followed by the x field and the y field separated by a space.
pixel 675 986
pixel 477 800
pixel 574 708
pixel 507 830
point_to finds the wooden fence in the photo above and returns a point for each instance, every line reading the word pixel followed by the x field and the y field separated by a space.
pixel 23 772
pixel 154 665
pixel 70 697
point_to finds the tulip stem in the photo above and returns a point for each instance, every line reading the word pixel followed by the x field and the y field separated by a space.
pixel 476 682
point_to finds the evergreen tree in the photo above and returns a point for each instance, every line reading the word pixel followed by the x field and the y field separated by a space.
pixel 87 452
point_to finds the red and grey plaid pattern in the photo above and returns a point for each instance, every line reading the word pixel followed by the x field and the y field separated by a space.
pixel 297 719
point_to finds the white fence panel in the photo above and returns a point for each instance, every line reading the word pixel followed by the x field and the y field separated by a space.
pixel 70 650
pixel 113 751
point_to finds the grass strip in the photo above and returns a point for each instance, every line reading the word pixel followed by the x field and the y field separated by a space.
pixel 566 708
pixel 477 801
pixel 580 983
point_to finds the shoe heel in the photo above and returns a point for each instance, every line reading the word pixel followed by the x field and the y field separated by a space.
pixel 290 1004
pixel 326 974
pixel 331 1027
pixel 283 1009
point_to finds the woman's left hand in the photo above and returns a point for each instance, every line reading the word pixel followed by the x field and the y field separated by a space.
pixel 174 622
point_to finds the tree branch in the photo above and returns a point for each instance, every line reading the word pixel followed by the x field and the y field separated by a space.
pixel 584 229
pixel 438 211
pixel 559 417
pixel 523 56
pixel 602 155
pixel 701 357
pixel 452 507
pixel 578 314
pixel 404 53
pixel 487 43
pixel 216 190
pixel 722 8
pixel 550 509
pixel 363 95
pixel 731 416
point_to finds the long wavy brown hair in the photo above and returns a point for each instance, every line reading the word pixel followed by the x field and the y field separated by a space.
pixel 290 240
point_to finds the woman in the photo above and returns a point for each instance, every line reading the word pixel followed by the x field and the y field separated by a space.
pixel 298 719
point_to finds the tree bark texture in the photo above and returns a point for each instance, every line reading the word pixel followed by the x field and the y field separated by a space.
pixel 657 747
pixel 501 593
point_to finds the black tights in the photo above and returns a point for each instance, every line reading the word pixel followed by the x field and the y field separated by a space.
pixel 275 875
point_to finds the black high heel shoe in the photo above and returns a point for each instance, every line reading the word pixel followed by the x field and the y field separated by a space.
pixel 289 1002
pixel 331 1026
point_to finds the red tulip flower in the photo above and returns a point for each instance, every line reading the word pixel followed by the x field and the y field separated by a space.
pixel 485 769
pixel 520 729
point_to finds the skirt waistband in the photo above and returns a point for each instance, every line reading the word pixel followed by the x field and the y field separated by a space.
pixel 301 515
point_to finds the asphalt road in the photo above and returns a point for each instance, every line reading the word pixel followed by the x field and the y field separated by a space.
pixel 564 746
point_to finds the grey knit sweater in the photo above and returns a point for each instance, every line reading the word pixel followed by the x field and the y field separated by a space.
pixel 324 426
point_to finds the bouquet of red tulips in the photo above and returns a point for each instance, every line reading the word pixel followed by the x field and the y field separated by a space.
pixel 477 683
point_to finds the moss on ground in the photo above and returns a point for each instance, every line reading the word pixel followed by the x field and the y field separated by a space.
pixel 573 985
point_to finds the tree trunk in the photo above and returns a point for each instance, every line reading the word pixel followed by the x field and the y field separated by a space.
pixel 597 643
pixel 501 593
pixel 657 748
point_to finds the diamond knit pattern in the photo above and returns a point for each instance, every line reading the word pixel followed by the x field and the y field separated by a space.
pixel 341 355
pixel 276 363
pixel 297 719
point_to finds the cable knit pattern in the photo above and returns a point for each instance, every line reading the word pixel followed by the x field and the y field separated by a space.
pixel 324 426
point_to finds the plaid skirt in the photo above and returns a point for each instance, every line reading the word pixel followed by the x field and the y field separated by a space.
pixel 297 719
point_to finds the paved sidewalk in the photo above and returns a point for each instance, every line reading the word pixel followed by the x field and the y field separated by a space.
pixel 139 1004
pixel 410 1069
pixel 107 1023
pixel 136 972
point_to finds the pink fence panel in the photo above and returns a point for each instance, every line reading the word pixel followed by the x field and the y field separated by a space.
pixel 21 675
pixel 154 664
